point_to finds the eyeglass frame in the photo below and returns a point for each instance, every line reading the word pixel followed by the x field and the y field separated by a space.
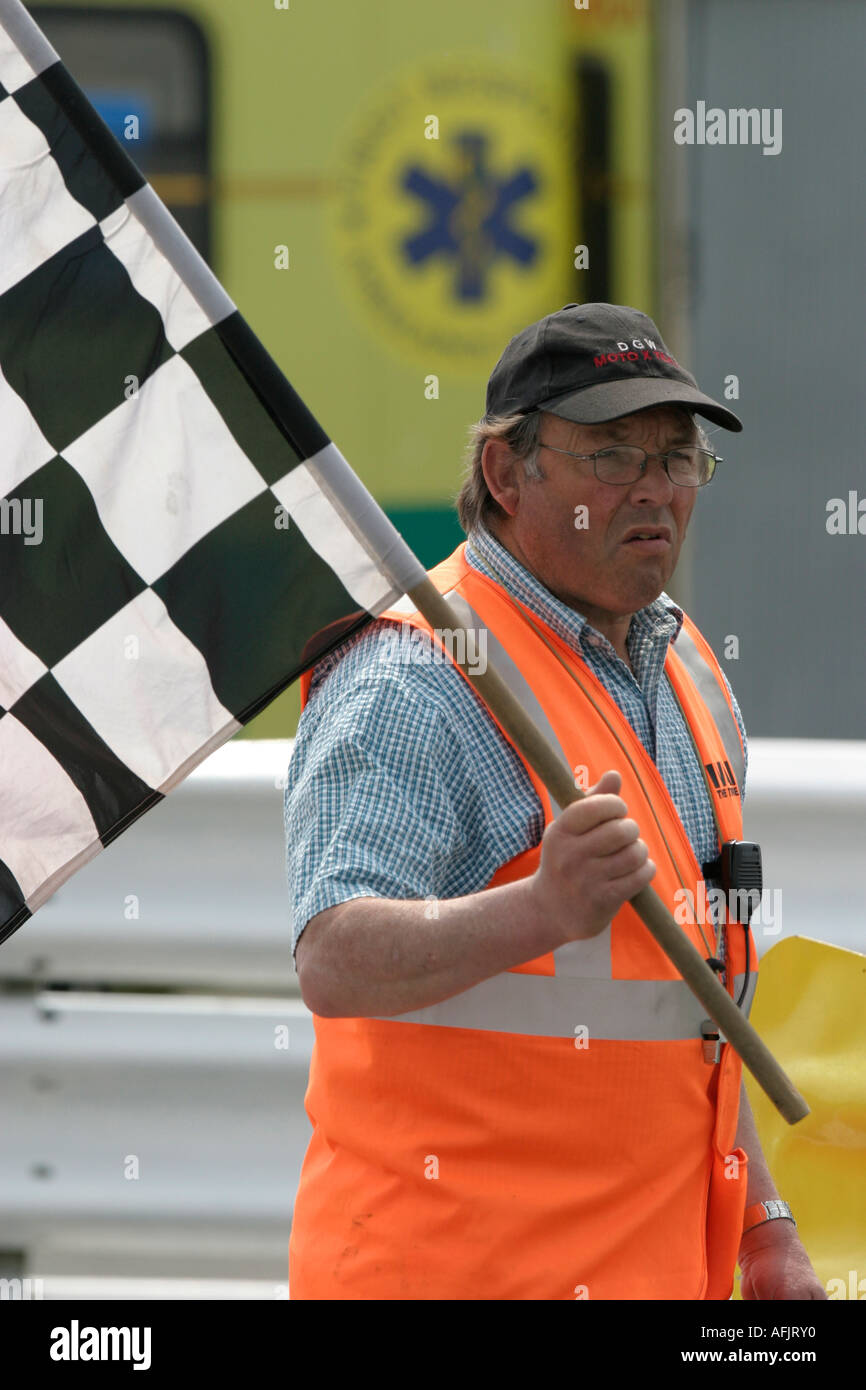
pixel 717 458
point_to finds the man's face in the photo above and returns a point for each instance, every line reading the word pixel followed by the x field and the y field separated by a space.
pixel 597 570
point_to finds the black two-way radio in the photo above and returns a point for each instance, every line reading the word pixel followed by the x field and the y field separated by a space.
pixel 739 871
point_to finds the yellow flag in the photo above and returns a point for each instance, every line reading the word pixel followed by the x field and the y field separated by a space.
pixel 810 1009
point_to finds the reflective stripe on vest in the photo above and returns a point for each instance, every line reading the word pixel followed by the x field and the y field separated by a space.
pixel 544 1006
pixel 510 673
pixel 713 698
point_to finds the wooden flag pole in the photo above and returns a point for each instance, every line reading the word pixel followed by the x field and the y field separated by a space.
pixel 557 777
pixel 328 479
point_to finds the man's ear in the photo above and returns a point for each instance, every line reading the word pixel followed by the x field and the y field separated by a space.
pixel 501 474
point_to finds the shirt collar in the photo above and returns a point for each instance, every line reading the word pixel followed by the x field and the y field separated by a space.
pixel 661 619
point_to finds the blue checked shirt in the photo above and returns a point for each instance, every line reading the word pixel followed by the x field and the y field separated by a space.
pixel 400 785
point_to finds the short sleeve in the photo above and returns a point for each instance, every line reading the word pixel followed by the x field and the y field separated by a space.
pixel 367 809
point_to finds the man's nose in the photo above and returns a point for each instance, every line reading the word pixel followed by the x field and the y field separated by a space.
pixel 654 483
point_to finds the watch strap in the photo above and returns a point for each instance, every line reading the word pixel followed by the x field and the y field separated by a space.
pixel 774 1209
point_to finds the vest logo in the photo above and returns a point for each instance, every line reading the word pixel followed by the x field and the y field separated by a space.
pixel 451 204
pixel 721 775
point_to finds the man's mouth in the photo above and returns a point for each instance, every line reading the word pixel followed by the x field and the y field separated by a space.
pixel 649 540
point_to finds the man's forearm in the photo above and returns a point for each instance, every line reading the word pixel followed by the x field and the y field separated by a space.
pixel 377 957
pixel 761 1187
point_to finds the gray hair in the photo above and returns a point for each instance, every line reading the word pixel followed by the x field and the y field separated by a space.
pixel 475 502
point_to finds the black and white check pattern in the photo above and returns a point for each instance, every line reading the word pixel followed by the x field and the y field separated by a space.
pixel 163 606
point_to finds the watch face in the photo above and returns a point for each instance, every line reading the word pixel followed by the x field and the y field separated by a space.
pixel 776 1208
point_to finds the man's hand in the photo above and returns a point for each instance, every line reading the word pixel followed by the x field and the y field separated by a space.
pixel 592 861
pixel 775 1265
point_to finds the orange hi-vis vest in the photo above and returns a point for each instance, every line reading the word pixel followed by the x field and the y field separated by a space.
pixel 560 1130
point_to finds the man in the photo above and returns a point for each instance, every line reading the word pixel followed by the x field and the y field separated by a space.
pixel 512 1093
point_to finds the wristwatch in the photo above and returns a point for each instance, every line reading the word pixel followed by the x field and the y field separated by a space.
pixel 772 1210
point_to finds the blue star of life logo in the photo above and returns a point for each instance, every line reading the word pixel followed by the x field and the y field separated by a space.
pixel 469 217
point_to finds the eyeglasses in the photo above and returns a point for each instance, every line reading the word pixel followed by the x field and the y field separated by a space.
pixel 687 466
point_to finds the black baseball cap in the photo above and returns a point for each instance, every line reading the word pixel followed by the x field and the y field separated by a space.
pixel 594 362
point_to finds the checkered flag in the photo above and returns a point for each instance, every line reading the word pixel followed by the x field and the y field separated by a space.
pixel 179 539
